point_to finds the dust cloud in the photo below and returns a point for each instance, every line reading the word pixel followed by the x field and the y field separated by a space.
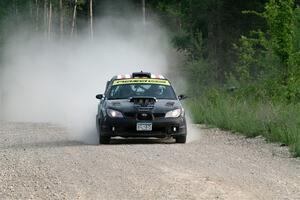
pixel 56 80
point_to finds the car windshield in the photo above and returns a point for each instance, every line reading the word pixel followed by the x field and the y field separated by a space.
pixel 126 91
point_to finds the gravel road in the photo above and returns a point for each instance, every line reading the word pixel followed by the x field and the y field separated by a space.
pixel 37 161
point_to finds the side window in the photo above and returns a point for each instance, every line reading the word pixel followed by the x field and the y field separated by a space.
pixel 114 91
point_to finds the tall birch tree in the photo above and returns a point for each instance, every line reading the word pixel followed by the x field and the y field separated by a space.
pixel 74 18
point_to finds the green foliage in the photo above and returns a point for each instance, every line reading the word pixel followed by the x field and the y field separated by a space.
pixel 206 29
pixel 276 122
pixel 248 66
pixel 81 4
pixel 272 57
pixel 296 42
pixel 280 18
pixel 198 72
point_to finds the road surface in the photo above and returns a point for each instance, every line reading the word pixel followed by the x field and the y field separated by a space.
pixel 38 161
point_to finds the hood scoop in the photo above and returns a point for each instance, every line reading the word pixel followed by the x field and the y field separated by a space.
pixel 170 104
pixel 143 101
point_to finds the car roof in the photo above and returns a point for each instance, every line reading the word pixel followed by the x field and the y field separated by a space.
pixel 139 75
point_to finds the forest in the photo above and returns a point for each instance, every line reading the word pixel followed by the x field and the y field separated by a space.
pixel 241 57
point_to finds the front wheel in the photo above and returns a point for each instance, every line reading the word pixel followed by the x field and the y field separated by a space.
pixel 104 140
pixel 180 139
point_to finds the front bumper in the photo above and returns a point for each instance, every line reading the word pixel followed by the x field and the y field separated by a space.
pixel 125 127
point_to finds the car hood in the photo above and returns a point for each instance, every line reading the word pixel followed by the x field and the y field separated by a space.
pixel 160 106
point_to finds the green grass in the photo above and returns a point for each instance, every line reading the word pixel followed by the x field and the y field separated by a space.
pixel 276 122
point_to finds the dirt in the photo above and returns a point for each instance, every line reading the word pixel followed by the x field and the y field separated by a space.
pixel 38 161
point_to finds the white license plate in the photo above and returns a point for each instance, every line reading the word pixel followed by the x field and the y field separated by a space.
pixel 144 126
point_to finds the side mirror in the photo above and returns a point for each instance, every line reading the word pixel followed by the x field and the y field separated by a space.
pixel 182 97
pixel 99 96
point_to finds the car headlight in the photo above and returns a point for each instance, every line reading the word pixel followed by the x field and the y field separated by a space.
pixel 173 113
pixel 114 113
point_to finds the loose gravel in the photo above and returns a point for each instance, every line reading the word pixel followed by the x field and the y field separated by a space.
pixel 38 161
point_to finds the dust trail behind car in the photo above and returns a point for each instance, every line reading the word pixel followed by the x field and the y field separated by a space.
pixel 56 81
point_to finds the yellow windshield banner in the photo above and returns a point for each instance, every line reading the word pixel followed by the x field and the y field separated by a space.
pixel 141 81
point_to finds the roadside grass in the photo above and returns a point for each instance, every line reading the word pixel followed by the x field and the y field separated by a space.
pixel 276 122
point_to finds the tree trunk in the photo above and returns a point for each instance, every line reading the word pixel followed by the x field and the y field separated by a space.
pixel 74 18
pixel 16 7
pixel 61 19
pixel 45 17
pixel 50 20
pixel 144 11
pixel 36 15
pixel 91 20
pixel 31 10
pixel 16 12
pixel 178 20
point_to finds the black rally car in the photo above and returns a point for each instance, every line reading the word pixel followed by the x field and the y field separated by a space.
pixel 140 105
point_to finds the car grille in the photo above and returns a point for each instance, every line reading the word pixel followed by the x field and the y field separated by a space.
pixel 144 116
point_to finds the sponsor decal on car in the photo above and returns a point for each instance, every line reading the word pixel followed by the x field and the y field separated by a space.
pixel 141 81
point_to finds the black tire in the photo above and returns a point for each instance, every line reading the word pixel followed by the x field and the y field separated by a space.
pixel 181 139
pixel 104 140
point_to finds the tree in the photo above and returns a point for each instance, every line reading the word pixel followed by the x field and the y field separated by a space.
pixel 280 18
pixel 50 19
pixel 91 20
pixel 61 18
pixel 144 11
pixel 45 16
pixel 74 18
